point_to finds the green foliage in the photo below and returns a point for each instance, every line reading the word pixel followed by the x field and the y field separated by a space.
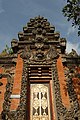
pixel 9 50
pixel 72 12
pixel 6 51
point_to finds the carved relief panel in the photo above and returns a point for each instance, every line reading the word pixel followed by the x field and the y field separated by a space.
pixel 40 103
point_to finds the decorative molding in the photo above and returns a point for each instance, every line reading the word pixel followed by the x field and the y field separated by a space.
pixel 6 104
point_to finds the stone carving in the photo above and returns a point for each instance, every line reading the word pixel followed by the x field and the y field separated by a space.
pixel 39 55
pixel 71 75
pixel 39 51
pixel 6 105
pixel 40 102
pixel 52 53
pixel 73 53
pixel 26 54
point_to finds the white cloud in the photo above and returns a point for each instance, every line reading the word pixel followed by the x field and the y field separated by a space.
pixel 71 30
pixel 71 46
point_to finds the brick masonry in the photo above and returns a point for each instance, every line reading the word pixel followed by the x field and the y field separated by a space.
pixel 62 81
pixel 17 83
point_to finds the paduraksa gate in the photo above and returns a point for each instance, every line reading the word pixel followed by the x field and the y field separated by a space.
pixel 39 81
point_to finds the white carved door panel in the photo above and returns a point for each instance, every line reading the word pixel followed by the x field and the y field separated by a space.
pixel 39 102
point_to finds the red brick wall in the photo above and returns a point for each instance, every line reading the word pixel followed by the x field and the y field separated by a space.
pixel 17 83
pixel 61 76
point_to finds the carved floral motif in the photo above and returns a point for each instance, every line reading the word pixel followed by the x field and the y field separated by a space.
pixel 40 102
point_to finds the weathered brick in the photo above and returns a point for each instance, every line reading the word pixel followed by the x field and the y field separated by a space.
pixel 17 83
pixel 61 76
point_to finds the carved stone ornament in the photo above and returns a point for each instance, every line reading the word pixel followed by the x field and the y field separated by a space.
pixel 52 53
pixel 40 55
pixel 39 45
pixel 73 53
pixel 26 54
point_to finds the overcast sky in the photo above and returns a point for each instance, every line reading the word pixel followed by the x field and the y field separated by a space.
pixel 14 14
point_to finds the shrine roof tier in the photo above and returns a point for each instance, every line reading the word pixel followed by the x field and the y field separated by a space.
pixel 38 29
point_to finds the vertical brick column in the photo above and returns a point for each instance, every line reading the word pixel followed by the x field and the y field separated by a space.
pixel 2 90
pixel 17 84
pixel 61 76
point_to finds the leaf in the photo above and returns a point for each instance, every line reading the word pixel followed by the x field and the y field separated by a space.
pixel 72 11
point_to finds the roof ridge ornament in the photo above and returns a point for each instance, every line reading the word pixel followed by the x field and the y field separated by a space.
pixel 38 30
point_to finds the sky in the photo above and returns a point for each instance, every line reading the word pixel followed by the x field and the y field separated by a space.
pixel 14 15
